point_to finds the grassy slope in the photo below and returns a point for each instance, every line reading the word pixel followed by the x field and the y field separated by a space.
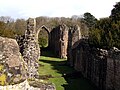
pixel 54 66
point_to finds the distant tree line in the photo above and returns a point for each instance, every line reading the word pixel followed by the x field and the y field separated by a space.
pixel 10 28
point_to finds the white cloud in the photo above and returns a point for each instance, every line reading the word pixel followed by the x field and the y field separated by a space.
pixel 67 8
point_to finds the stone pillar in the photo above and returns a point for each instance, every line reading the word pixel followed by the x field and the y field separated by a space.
pixel 74 36
pixel 59 40
pixel 31 51
pixel 63 41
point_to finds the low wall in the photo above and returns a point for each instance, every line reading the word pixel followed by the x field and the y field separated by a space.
pixel 25 86
pixel 100 66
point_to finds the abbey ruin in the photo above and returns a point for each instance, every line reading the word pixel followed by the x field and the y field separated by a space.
pixel 100 66
pixel 61 40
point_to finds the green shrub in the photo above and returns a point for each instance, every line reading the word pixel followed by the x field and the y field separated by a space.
pixel 43 42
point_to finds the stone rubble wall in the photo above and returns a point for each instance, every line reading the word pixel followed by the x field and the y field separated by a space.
pixel 63 38
pixel 59 40
pixel 12 65
pixel 63 41
pixel 15 67
pixel 102 67
pixel 113 70
pixel 74 35
pixel 25 86
pixel 31 49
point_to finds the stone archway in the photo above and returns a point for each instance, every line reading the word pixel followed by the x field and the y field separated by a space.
pixel 61 39
pixel 44 30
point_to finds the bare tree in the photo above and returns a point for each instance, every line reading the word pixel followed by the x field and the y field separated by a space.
pixel 6 19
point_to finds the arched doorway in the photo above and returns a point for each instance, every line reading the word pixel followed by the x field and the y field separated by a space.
pixel 43 37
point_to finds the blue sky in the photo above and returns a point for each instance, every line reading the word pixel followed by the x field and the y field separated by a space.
pixel 55 8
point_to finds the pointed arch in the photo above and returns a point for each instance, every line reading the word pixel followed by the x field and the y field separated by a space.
pixel 43 27
pixel 47 30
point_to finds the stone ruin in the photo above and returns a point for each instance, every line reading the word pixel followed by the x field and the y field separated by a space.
pixel 20 66
pixel 12 65
pixel 25 85
pixel 102 67
pixel 59 40
pixel 63 38
pixel 74 37
pixel 16 67
pixel 31 49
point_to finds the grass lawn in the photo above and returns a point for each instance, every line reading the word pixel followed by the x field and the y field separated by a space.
pixel 56 67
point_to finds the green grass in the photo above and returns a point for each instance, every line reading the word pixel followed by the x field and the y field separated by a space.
pixel 49 69
pixel 56 67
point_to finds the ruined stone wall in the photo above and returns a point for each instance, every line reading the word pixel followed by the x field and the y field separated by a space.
pixel 113 70
pixel 59 40
pixel 100 66
pixel 31 49
pixel 54 45
pixel 74 35
pixel 25 85
pixel 12 66
pixel 63 41
pixel 16 68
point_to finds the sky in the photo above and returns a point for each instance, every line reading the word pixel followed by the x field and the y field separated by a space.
pixel 55 8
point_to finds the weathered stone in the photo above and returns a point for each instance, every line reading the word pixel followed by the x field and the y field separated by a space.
pixel 74 36
pixel 63 41
pixel 11 62
pixel 100 66
pixel 31 49
pixel 59 40
pixel 26 86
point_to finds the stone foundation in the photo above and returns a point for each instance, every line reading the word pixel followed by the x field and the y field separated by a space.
pixel 26 86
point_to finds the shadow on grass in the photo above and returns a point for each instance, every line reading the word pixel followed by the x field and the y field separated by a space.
pixel 75 80
pixel 47 52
